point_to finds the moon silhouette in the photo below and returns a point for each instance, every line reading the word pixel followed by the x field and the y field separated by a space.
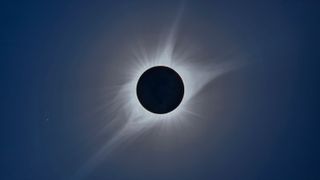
pixel 160 89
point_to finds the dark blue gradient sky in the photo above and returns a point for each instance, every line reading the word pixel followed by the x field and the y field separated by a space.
pixel 57 55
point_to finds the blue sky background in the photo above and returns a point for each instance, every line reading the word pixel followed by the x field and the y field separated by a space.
pixel 266 125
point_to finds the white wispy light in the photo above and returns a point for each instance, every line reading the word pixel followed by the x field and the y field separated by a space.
pixel 125 103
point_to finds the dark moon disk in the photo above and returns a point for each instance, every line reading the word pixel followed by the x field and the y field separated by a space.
pixel 160 89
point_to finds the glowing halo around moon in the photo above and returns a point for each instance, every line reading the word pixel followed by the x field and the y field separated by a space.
pixel 125 104
pixel 136 112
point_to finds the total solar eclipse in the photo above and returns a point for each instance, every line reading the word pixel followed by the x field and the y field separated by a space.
pixel 160 89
